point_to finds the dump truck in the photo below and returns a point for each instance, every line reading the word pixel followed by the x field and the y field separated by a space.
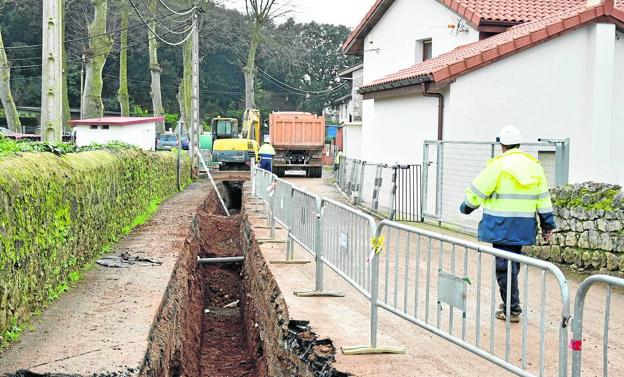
pixel 232 148
pixel 298 139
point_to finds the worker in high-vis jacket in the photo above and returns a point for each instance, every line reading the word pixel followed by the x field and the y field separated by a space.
pixel 266 153
pixel 337 160
pixel 514 193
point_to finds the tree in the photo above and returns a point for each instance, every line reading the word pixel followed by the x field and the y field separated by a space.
pixel 260 13
pixel 12 117
pixel 122 95
pixel 100 45
pixel 155 69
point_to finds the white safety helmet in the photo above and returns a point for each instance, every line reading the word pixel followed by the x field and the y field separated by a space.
pixel 509 135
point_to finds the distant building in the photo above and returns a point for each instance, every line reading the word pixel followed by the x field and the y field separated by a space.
pixel 348 111
pixel 131 130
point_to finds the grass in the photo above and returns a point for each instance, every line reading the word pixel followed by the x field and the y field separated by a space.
pixel 16 330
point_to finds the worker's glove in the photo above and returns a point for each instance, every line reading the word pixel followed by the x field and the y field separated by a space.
pixel 547 235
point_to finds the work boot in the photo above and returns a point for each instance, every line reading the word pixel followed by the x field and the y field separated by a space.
pixel 502 314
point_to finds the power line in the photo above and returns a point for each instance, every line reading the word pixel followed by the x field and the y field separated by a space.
pixel 26 47
pixel 191 29
pixel 160 22
pixel 178 13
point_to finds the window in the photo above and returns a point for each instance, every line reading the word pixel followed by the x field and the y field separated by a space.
pixel 427 48
pixel 424 50
pixel 105 127
pixel 94 127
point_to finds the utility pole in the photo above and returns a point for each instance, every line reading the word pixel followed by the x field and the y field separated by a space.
pixel 52 72
pixel 195 124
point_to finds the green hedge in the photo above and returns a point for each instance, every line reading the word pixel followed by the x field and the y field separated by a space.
pixel 58 212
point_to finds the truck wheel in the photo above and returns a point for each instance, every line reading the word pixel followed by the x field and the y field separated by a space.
pixel 319 172
pixel 280 172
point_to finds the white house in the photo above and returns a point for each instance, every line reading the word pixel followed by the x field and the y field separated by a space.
pixel 131 130
pixel 462 69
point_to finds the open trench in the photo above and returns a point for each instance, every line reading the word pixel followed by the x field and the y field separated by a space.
pixel 230 319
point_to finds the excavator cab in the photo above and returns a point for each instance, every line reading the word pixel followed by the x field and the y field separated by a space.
pixel 235 149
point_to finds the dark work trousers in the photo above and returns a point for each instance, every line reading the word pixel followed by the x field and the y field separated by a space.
pixel 266 163
pixel 501 277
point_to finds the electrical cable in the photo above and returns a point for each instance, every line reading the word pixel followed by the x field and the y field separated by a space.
pixel 178 13
pixel 191 28
pixel 160 22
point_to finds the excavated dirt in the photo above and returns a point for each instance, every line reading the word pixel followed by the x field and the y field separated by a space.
pixel 225 320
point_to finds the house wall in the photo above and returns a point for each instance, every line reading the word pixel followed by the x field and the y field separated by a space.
pixel 352 141
pixel 391 44
pixel 400 126
pixel 560 99
pixel 393 48
pixel 356 104
pixel 141 135
pixel 617 135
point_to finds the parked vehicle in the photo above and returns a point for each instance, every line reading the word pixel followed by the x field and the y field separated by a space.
pixel 298 139
pixel 166 142
pixel 11 134
pixel 185 142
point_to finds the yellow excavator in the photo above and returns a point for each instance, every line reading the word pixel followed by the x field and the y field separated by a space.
pixel 233 149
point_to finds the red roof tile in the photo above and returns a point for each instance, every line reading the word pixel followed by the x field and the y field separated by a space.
pixel 475 55
pixel 508 12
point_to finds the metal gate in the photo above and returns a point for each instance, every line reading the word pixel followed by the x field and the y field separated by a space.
pixel 450 166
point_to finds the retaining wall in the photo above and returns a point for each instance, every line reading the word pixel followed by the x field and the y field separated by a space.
pixel 58 212
pixel 590 228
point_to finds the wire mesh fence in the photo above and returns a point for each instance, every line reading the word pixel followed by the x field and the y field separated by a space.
pixel 450 166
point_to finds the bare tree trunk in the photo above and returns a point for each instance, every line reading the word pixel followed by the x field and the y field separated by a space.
pixel 155 70
pixel 12 117
pixel 122 95
pixel 250 69
pixel 100 45
pixel 66 109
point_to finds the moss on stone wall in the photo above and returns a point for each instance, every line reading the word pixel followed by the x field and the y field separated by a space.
pixel 58 212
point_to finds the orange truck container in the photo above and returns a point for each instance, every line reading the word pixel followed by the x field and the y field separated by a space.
pixel 298 140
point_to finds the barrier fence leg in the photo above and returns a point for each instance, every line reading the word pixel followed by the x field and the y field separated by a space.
pixel 373 348
pixel 318 260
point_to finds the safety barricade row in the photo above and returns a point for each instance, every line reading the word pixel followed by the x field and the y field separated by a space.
pixel 445 285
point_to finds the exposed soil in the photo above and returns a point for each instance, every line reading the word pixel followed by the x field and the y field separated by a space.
pixel 224 348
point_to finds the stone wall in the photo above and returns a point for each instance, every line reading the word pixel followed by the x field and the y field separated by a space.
pixel 590 228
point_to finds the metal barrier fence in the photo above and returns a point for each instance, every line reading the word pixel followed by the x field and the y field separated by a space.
pixel 346 236
pixel 450 166
pixel 445 285
pixel 576 344
pixel 391 191
pixel 422 274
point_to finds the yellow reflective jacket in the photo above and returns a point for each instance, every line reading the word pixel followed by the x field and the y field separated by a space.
pixel 267 150
pixel 513 190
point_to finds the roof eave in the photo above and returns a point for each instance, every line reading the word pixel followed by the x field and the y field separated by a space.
pixel 396 84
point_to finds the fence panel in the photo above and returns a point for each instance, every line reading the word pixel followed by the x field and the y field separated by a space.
pixel 305 211
pixel 578 342
pixel 346 239
pixel 450 167
pixel 449 287
pixel 262 181
pixel 282 202
pixel 407 198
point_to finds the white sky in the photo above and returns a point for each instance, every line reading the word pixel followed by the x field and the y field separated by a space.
pixel 340 12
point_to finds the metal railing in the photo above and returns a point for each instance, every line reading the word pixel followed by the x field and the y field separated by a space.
pixel 346 236
pixel 450 166
pixel 445 285
pixel 392 192
pixel 576 344
pixel 421 274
